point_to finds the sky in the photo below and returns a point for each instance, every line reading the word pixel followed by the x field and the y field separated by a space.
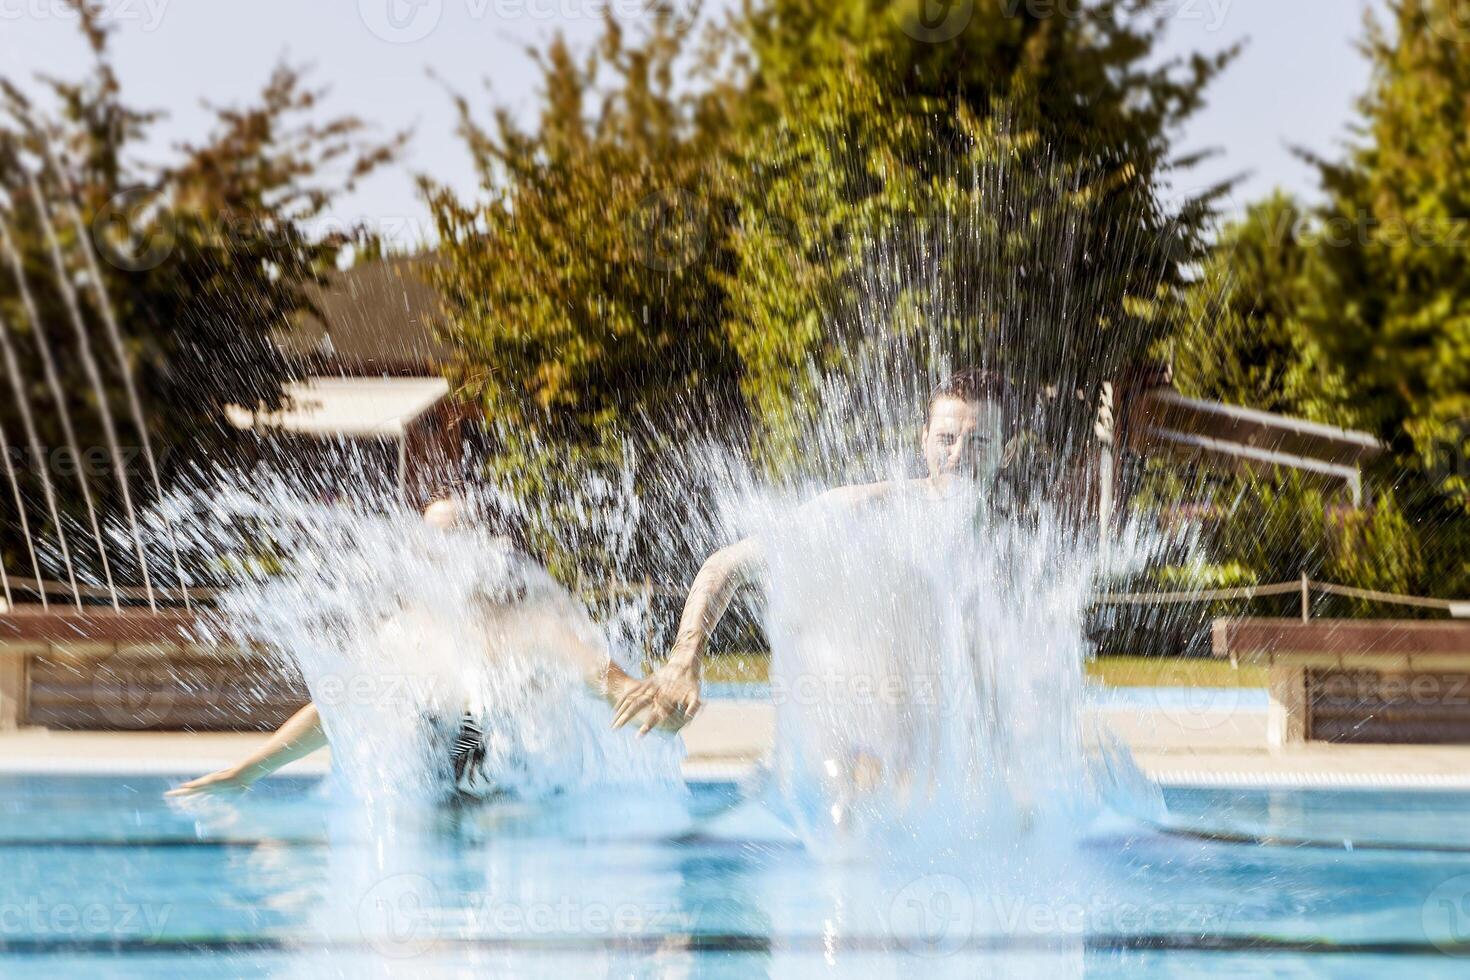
pixel 1294 85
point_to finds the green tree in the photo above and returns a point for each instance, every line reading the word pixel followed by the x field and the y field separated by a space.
pixel 1243 340
pixel 578 291
pixel 1394 300
pixel 1013 159
pixel 1280 525
pixel 662 235
pixel 241 208
pixel 1391 303
pixel 203 262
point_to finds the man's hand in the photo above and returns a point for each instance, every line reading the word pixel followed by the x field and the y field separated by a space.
pixel 667 699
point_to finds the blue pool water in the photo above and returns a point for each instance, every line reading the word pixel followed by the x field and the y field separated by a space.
pixel 102 878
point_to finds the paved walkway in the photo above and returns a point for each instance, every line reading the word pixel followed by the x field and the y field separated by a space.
pixel 1219 748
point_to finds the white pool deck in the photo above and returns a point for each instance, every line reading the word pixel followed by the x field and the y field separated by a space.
pixel 1176 747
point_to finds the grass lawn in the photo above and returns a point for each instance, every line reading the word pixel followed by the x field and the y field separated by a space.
pixel 1173 672
pixel 1112 671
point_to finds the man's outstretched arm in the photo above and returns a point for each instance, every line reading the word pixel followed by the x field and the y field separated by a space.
pixel 669 697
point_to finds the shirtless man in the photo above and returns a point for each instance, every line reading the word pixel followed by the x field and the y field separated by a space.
pixel 963 443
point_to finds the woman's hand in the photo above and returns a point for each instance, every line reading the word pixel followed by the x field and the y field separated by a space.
pixel 231 780
pixel 667 699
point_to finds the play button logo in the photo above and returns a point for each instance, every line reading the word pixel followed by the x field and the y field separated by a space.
pixel 401 21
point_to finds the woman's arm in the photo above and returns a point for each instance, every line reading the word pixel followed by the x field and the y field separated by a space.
pixel 300 736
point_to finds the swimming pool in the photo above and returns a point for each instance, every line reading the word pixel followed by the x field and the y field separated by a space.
pixel 102 878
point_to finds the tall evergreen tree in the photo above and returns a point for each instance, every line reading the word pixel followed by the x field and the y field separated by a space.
pixel 1243 340
pixel 1395 298
pixel 1392 301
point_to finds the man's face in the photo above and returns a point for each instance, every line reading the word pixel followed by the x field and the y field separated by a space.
pixel 963 440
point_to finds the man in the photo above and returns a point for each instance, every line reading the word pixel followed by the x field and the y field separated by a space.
pixel 963 444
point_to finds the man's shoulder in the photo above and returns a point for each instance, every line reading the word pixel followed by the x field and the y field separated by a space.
pixel 856 494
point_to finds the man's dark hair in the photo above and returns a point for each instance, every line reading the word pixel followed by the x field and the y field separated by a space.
pixel 970 385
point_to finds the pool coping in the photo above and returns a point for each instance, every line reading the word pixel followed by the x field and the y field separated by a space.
pixel 734 776
pixel 702 771
pixel 1313 780
pixel 1174 747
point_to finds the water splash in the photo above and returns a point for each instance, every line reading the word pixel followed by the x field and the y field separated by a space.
pixel 928 644
pixel 927 669
pixel 401 631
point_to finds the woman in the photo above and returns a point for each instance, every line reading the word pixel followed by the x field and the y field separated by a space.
pixel 536 621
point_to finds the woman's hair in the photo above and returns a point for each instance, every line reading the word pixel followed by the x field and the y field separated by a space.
pixel 969 385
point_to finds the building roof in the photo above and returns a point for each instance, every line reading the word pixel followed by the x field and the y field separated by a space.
pixel 347 407
pixel 376 318
pixel 1231 437
pixel 1252 429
